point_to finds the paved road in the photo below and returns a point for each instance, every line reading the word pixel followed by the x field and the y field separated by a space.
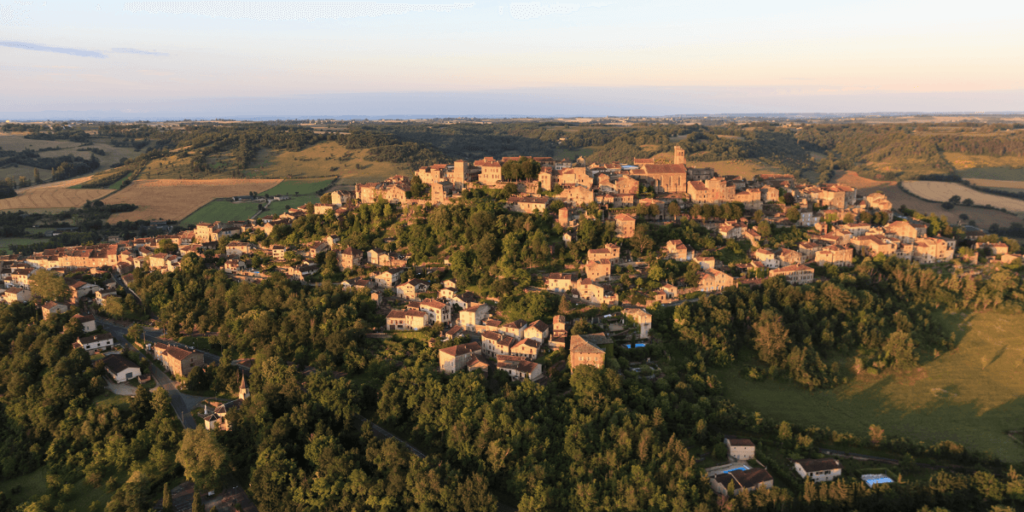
pixel 384 434
pixel 181 499
pixel 180 401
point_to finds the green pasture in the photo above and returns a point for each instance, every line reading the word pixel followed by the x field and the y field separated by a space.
pixel 971 395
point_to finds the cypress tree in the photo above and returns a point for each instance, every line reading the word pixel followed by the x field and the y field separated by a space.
pixel 167 497
pixel 197 502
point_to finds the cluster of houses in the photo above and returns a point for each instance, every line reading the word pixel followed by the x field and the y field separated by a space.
pixel 741 475
pixel 828 212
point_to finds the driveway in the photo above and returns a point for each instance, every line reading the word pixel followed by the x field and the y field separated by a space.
pixel 120 389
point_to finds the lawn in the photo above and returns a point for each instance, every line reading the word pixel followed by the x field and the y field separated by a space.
pixel 279 207
pixel 222 211
pixel 971 395
pixel 33 485
pixel 6 243
pixel 572 153
pixel 297 187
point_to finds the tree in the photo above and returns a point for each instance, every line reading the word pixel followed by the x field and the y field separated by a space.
pixel 35 176
pixel 899 347
pixel 136 333
pixel 166 503
pixel 517 170
pixel 47 285
pixel 793 214
pixel 197 501
pixel 167 246
pixel 642 240
pixel 674 210
pixel 202 456
pixel 419 189
pixel 785 432
pixel 877 434
pixel 771 338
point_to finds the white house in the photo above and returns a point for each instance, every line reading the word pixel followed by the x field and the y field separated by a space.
pixel 740 449
pixel 95 342
pixel 120 368
pixel 88 322
pixel 818 470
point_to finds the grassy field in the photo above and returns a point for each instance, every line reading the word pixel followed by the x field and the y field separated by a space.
pixel 18 142
pixel 222 211
pixel 1010 168
pixel 742 168
pixel 6 243
pixel 572 153
pixel 177 199
pixel 326 159
pixel 940 191
pixel 984 217
pixel 857 181
pixel 33 486
pixel 297 187
pixel 971 395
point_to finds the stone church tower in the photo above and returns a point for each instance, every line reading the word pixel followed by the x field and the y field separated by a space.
pixel 243 389
pixel 680 156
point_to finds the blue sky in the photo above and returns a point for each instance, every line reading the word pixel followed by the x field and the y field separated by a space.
pixel 293 59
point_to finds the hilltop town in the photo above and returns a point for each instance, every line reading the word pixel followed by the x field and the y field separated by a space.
pixel 594 260
pixel 830 225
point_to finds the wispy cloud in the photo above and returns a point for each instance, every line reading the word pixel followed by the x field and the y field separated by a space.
pixel 534 10
pixel 287 11
pixel 133 51
pixel 52 49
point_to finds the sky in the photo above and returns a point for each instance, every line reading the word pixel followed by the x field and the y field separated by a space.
pixel 239 59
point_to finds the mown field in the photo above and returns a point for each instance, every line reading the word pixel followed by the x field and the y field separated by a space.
pixel 221 211
pixel 177 199
pixel 1014 186
pixel 323 160
pixel 984 217
pixel 300 192
pixel 857 181
pixel 971 395
pixel 295 187
pixel 18 142
pixel 941 191
pixel 51 197
pixel 1010 168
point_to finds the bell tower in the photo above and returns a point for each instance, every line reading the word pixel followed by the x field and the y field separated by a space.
pixel 680 156
pixel 243 389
